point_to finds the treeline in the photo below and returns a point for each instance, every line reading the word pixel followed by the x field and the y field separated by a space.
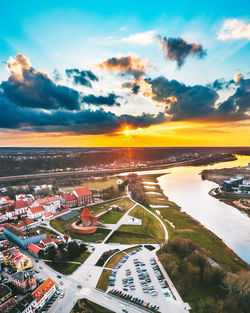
pixel 136 189
pixel 207 288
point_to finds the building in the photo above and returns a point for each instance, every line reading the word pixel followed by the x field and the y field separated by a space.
pixel 50 203
pixel 5 202
pixel 68 200
pixel 35 212
pixel 248 167
pixel 25 223
pixel 47 215
pixel 24 281
pixel 7 305
pixel 87 225
pixel 23 238
pixel 26 305
pixel 234 182
pixel 25 197
pixel 5 293
pixel 84 196
pixel 35 250
pixel 244 188
pixel 44 292
pixel 19 207
pixel 17 260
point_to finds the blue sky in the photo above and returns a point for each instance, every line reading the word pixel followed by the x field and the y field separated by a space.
pixel 60 34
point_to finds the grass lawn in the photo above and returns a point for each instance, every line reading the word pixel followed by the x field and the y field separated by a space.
pixel 85 305
pixel 115 259
pixel 149 232
pixel 68 268
pixel 131 249
pixel 125 203
pixel 111 218
pixel 103 281
pixel 189 228
pixel 49 233
pixel 64 268
pixel 98 236
pixel 65 227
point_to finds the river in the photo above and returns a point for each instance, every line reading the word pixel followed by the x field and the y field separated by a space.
pixel 184 186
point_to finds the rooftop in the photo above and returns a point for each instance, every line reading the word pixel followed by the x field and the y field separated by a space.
pixel 4 290
pixel 41 290
pixel 22 275
pixel 23 304
pixel 81 192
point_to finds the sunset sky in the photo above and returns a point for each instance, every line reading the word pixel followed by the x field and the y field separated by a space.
pixel 108 73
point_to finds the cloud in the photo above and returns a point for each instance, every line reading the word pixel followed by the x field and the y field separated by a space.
pixel 83 78
pixel 145 38
pixel 82 122
pixel 238 78
pixel 234 29
pixel 199 102
pixel 177 49
pixel 220 84
pixel 32 88
pixel 127 65
pixel 109 100
pixel 135 87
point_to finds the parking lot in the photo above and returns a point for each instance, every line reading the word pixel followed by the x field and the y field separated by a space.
pixel 138 275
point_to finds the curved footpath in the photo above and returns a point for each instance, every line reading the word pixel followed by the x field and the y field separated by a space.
pixel 88 275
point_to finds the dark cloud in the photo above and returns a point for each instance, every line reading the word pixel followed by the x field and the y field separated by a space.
pixel 178 49
pixel 135 87
pixel 109 100
pixel 31 88
pixel 128 65
pixel 82 122
pixel 56 75
pixel 83 78
pixel 199 102
pixel 220 84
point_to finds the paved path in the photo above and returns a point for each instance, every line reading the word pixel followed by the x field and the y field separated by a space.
pixel 88 275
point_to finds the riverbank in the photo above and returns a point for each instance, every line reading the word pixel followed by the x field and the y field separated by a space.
pixel 188 228
pixel 238 201
pixel 196 260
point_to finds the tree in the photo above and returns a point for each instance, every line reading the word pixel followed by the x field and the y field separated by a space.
pixel 73 250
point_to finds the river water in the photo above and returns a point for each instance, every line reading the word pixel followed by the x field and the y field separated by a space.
pixel 184 186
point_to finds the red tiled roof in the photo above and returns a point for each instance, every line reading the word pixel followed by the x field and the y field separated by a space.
pixel 86 213
pixel 46 240
pixel 41 290
pixel 34 248
pixel 48 214
pixel 81 192
pixel 37 209
pixel 20 204
pixel 28 221
pixel 68 197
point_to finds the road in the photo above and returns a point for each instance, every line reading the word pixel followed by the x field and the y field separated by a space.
pixel 96 172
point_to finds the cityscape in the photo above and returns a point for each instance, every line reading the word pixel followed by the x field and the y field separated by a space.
pixel 124 157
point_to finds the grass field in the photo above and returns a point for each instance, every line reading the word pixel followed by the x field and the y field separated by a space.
pixel 111 218
pixel 149 232
pixel 125 203
pixel 115 259
pixel 85 305
pixel 103 281
pixel 65 227
pixel 189 228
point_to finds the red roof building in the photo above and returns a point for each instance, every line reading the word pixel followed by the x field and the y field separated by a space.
pixel 36 211
pixel 68 200
pixel 43 292
pixel 84 195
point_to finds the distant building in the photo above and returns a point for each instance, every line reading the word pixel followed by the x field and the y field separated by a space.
pixel 21 237
pixel 19 207
pixel 234 182
pixel 5 293
pixel 35 212
pixel 84 196
pixel 44 292
pixel 244 188
pixel 25 197
pixel 26 305
pixel 24 281
pixel 50 203
pixel 68 200
pixel 248 167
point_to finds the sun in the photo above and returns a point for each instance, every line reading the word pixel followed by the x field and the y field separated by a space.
pixel 128 131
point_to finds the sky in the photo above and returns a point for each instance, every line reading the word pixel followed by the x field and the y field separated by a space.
pixel 107 73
